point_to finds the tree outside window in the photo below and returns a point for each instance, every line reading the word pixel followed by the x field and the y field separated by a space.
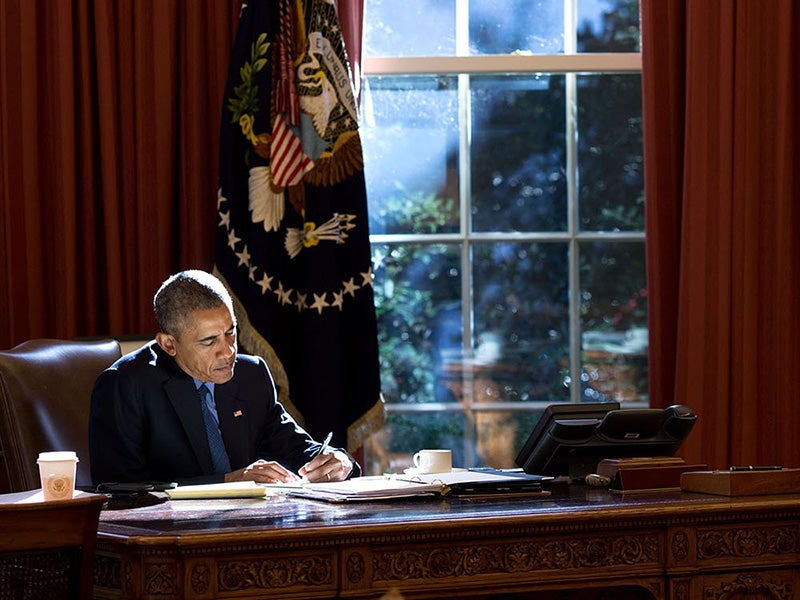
pixel 505 187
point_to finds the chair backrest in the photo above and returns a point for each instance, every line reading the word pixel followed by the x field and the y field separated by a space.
pixel 47 548
pixel 45 392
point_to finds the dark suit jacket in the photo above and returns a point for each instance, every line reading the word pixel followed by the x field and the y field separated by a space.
pixel 145 422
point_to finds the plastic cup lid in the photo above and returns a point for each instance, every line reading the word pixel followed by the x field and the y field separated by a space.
pixel 53 456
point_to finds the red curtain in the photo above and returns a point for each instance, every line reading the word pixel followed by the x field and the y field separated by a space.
pixel 109 120
pixel 351 19
pixel 722 156
pixel 109 138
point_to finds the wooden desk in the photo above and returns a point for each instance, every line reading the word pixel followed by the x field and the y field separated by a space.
pixel 669 546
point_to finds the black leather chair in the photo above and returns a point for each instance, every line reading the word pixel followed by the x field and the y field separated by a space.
pixel 47 549
pixel 45 391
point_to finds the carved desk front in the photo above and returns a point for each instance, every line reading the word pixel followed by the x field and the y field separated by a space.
pixel 577 543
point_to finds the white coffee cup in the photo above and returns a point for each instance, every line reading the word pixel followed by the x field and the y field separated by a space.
pixel 433 461
pixel 57 473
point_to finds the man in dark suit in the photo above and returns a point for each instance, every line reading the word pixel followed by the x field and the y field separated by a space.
pixel 188 408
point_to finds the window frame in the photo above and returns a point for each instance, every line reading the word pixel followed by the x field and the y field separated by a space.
pixel 462 65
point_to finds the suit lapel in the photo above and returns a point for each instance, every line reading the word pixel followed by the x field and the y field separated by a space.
pixel 233 416
pixel 185 401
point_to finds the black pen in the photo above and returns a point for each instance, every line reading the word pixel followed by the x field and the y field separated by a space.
pixel 757 468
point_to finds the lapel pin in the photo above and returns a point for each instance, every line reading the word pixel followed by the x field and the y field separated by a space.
pixel 237 413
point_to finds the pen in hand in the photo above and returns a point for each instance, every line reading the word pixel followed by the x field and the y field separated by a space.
pixel 324 448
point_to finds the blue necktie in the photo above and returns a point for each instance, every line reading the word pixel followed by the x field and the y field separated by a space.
pixel 218 454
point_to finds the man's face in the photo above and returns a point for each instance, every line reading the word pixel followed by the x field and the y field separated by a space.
pixel 206 348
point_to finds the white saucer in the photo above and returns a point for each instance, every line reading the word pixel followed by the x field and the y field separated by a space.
pixel 415 471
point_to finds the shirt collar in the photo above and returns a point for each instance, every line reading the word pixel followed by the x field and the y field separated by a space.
pixel 208 384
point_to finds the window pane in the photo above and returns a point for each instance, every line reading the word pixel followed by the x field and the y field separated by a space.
pixel 500 434
pixel 608 25
pixel 410 140
pixel 410 28
pixel 521 318
pixel 390 450
pixel 614 319
pixel 418 304
pixel 475 330
pixel 506 26
pixel 487 438
pixel 610 162
pixel 518 151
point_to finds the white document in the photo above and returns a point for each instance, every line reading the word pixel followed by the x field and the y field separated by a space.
pixel 234 489
pixel 467 476
pixel 376 487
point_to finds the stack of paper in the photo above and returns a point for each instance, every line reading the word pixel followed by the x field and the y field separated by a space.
pixel 234 489
pixel 376 487
pixel 459 482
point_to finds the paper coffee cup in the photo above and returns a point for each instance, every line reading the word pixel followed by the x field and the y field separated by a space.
pixel 433 461
pixel 57 473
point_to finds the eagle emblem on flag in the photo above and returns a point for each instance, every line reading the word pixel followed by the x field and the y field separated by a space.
pixel 292 240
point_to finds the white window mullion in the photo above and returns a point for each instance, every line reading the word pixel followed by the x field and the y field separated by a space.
pixel 465 226
pixel 462 27
pixel 465 212
pixel 573 218
pixel 570 26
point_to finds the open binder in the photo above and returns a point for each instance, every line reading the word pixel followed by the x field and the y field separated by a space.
pixel 459 482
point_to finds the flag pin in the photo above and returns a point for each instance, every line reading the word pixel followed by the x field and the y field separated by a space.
pixel 237 413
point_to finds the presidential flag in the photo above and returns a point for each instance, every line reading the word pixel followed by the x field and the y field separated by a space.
pixel 292 241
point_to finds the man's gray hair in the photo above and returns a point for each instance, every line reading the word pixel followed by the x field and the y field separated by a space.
pixel 186 292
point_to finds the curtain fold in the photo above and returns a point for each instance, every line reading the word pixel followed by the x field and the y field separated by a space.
pixel 109 142
pixel 351 19
pixel 109 128
pixel 720 94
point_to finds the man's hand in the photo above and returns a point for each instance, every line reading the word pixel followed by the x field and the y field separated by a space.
pixel 262 471
pixel 334 465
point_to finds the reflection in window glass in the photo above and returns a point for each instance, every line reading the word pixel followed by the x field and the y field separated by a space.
pixel 391 449
pixel 409 28
pixel 506 26
pixel 518 153
pixel 500 434
pixel 410 139
pixel 610 161
pixel 614 319
pixel 507 219
pixel 608 25
pixel 418 304
pixel 484 437
pixel 522 318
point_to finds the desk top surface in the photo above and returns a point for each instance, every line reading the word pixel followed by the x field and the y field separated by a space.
pixel 565 507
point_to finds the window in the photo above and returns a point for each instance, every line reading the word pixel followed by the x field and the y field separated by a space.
pixel 503 156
